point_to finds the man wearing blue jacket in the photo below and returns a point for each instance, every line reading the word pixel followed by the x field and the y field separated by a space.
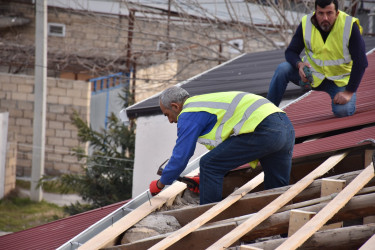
pixel 335 54
pixel 237 128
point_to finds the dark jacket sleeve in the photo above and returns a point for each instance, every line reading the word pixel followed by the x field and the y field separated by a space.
pixel 296 46
pixel 357 51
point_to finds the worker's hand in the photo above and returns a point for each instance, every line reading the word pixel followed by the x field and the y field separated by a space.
pixel 195 184
pixel 154 187
pixel 301 72
pixel 342 97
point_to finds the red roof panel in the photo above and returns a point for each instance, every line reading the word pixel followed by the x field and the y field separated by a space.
pixel 54 234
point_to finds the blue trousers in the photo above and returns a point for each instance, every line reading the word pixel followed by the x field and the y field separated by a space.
pixel 286 73
pixel 272 143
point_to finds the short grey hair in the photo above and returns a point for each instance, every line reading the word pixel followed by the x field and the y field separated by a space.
pixel 173 94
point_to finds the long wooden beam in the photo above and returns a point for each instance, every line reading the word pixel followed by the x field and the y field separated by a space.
pixel 253 202
pixel 370 243
pixel 298 238
pixel 107 235
pixel 347 237
pixel 275 205
pixel 358 207
pixel 209 214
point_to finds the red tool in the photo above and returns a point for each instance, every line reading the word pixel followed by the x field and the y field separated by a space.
pixel 191 184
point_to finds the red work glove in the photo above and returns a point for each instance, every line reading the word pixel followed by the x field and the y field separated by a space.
pixel 195 184
pixel 154 189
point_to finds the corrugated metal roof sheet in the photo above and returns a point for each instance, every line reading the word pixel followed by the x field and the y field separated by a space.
pixel 334 143
pixel 54 234
pixel 312 114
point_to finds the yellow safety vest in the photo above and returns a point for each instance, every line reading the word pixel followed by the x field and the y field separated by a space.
pixel 330 59
pixel 236 112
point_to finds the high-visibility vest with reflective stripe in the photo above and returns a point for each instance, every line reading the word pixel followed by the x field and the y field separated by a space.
pixel 330 59
pixel 236 112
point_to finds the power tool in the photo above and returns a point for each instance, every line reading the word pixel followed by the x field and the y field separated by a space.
pixel 191 184
pixel 310 79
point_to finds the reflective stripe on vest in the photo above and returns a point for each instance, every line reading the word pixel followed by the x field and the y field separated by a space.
pixel 330 59
pixel 230 109
pixel 345 40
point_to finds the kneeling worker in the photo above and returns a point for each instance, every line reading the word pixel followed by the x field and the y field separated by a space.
pixel 237 128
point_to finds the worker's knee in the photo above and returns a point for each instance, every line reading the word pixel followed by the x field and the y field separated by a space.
pixel 284 68
pixel 343 110
pixel 347 109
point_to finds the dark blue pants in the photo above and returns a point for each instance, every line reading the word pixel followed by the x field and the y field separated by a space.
pixel 286 73
pixel 272 143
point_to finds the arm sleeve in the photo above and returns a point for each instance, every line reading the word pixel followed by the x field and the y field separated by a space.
pixel 357 51
pixel 189 127
pixel 292 53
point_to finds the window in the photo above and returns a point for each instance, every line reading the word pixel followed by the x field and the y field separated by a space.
pixel 237 46
pixel 56 29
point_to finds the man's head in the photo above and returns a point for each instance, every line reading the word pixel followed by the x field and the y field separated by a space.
pixel 171 102
pixel 326 12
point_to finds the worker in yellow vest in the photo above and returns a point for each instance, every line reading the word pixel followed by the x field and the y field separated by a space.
pixel 334 54
pixel 237 127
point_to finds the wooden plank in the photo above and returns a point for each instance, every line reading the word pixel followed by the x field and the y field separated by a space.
pixel 253 202
pixel 329 210
pixel 209 214
pixel 297 219
pixel 275 205
pixel 369 245
pixel 331 186
pixel 368 156
pixel 107 235
pixel 358 207
pixel 352 237
pixel 368 160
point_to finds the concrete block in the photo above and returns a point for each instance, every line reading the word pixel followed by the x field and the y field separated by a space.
pixel 59 109
pixel 54 141
pixel 70 142
pixel 65 100
pixel 57 91
pixel 81 102
pixel 55 125
pixel 9 87
pixel 19 96
pixel 63 133
pixel 25 88
pixel 74 92
pixel 23 122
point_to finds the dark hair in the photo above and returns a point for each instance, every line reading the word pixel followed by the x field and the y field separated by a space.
pixel 324 3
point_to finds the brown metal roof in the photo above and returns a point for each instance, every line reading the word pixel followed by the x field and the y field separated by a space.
pixel 54 234
pixel 334 143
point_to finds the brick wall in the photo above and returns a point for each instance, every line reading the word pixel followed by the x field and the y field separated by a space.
pixel 63 97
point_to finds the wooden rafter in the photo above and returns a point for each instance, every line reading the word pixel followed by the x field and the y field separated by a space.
pixel 328 211
pixel 275 205
pixel 209 214
pixel 156 202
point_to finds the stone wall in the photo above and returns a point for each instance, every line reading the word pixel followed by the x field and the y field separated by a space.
pixel 100 40
pixel 63 97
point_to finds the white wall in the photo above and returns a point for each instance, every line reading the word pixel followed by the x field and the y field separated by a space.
pixel 155 139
